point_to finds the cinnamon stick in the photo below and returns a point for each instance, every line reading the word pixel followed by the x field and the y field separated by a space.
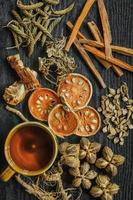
pixel 96 33
pixel 106 28
pixel 79 22
pixel 112 60
pixel 81 36
pixel 118 49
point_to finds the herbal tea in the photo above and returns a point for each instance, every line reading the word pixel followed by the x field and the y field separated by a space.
pixel 31 148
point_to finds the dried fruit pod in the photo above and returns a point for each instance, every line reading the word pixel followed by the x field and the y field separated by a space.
pixel 62 122
pixel 107 153
pixel 41 102
pixel 118 160
pixel 76 91
pixel 102 181
pixel 89 122
pixel 70 161
pixel 15 93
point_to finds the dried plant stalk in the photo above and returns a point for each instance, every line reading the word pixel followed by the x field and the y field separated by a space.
pixel 78 23
pixel 97 35
pixel 17 112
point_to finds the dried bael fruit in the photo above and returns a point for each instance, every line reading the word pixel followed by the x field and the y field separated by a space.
pixel 89 122
pixel 104 188
pixel 76 91
pixel 41 102
pixel 62 122
pixel 69 154
pixel 82 176
pixel 110 161
pixel 89 150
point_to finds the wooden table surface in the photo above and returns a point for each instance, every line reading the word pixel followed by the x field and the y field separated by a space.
pixel 121 20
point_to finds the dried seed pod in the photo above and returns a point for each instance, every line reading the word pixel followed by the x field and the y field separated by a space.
pixel 84 143
pixel 113 188
pixel 112 169
pixel 107 153
pixel 74 172
pixel 84 168
pixel 86 183
pixel 101 163
pixel 70 161
pixel 118 160
pixel 102 181
pixel 96 191
pixel 76 182
pixel 62 147
pixel 91 175
pixel 82 154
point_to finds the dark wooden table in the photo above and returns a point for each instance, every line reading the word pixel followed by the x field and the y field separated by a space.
pixel 121 19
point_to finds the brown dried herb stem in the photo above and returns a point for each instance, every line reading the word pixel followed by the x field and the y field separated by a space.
pixel 78 23
pixel 97 35
pixel 89 63
pixel 17 112
pixel 112 60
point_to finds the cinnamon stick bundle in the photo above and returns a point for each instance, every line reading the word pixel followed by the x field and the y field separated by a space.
pixel 79 22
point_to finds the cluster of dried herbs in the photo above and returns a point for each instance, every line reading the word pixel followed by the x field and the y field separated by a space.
pixel 35 22
pixel 101 47
pixel 80 157
pixel 49 186
pixel 57 60
pixel 16 92
pixel 117 109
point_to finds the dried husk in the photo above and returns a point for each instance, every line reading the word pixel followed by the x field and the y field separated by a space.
pixel 112 169
pixel 96 191
pixel 113 188
pixel 76 182
pixel 84 143
pixel 91 158
pixel 62 147
pixel 91 175
pixel 118 160
pixel 82 154
pixel 107 153
pixel 101 163
pixel 106 196
pixel 70 161
pixel 86 183
pixel 74 172
pixel 84 168
pixel 73 149
pixel 95 147
pixel 102 181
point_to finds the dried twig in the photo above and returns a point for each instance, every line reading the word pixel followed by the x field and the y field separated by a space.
pixel 17 112
pixel 78 23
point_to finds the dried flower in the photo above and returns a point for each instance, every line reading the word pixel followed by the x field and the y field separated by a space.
pixel 70 154
pixel 89 150
pixel 104 188
pixel 83 176
pixel 110 161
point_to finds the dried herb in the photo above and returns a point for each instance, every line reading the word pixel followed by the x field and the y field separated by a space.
pixel 104 188
pixel 35 23
pixel 117 109
pixel 70 154
pixel 89 150
pixel 82 176
pixel 56 56
pixel 109 161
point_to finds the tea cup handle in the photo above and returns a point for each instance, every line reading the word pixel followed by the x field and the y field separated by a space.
pixel 7 174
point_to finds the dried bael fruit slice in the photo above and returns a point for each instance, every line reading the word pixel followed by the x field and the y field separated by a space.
pixel 41 102
pixel 89 122
pixel 76 91
pixel 62 122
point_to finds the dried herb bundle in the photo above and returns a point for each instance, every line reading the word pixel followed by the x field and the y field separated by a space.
pixel 16 92
pixel 117 109
pixel 56 56
pixel 35 22
pixel 104 188
pixel 110 161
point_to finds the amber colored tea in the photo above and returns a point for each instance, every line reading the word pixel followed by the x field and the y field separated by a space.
pixel 31 148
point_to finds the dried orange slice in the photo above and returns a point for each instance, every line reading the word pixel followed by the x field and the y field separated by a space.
pixel 41 102
pixel 89 122
pixel 62 122
pixel 76 91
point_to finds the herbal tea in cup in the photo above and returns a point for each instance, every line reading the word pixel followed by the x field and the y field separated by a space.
pixel 30 149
